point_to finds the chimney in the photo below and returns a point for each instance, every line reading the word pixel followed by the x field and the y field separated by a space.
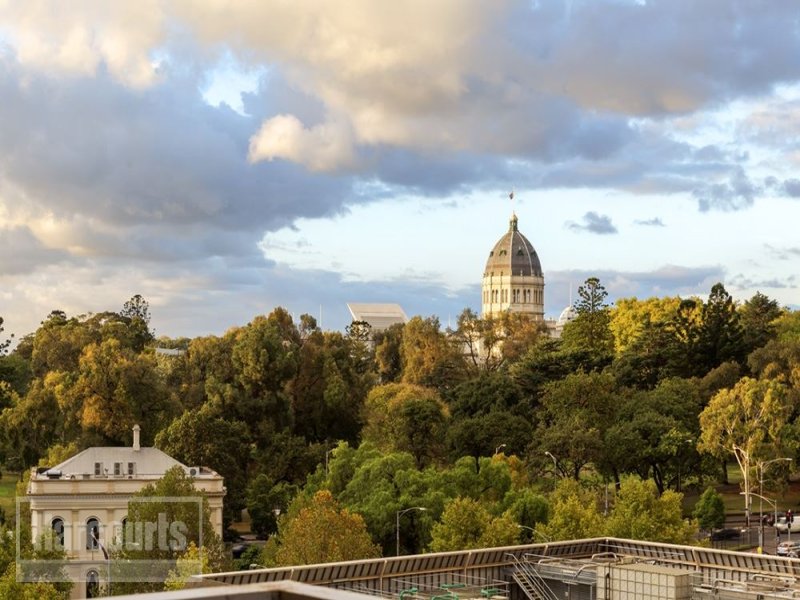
pixel 136 430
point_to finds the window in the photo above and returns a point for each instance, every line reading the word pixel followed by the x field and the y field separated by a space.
pixel 98 469
pixel 57 526
pixel 92 534
pixel 131 468
pixel 92 584
pixel 117 469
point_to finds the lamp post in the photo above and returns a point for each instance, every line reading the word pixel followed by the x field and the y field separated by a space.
pixel 534 532
pixel 555 462
pixel 397 529
pixel 500 447
pixel 761 465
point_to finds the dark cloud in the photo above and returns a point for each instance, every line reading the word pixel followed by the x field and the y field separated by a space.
pixel 594 223
pixel 791 188
pixel 736 193
pixel 743 282
pixel 654 222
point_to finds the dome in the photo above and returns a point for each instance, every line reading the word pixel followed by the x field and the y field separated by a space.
pixel 513 254
pixel 567 315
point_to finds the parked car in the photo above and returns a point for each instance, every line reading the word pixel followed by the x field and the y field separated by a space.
pixel 788 549
pixel 781 525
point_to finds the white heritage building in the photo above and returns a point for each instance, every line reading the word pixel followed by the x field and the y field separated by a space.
pixel 513 281
pixel 84 502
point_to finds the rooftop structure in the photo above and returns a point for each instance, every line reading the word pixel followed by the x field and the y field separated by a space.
pixel 379 316
pixel 599 568
pixel 513 280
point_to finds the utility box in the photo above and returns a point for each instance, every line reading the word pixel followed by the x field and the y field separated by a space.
pixel 642 581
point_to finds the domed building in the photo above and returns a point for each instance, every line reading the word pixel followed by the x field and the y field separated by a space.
pixel 513 280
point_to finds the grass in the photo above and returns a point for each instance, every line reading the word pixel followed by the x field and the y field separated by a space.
pixel 8 485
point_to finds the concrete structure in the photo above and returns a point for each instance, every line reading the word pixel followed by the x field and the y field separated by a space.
pixel 379 316
pixel 591 569
pixel 83 501
pixel 513 280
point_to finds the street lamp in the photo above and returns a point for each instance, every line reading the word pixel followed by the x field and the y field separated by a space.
pixel 397 529
pixel 555 462
pixel 500 447
pixel 534 532
pixel 761 465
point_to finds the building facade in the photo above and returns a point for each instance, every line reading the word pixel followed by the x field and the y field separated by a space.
pixel 513 280
pixel 83 501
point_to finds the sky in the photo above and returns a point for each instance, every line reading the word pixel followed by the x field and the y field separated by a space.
pixel 222 159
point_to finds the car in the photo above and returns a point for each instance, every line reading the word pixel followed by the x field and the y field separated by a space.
pixel 791 548
pixel 782 526
pixel 726 534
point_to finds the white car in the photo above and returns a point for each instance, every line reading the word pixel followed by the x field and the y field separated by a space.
pixel 781 524
pixel 788 549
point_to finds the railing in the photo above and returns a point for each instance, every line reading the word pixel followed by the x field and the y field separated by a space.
pixel 530 581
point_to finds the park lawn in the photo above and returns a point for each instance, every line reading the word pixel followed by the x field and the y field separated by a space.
pixel 8 488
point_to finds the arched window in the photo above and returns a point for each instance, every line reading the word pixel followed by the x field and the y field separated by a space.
pixel 92 534
pixel 57 525
pixel 92 584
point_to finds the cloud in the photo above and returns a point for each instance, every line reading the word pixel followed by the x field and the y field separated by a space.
pixel 789 253
pixel 654 222
pixel 736 193
pixel 594 223
pixel 324 147
pixel 791 188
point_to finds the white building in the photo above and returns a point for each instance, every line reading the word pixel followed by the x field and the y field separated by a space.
pixel 84 502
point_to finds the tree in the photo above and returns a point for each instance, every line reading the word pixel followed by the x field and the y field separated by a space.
pixel 320 531
pixel 264 497
pixel 4 344
pixel 640 513
pixel 136 312
pixel 467 524
pixel 388 361
pixel 757 316
pixel 747 421
pixel 199 437
pixel 118 389
pixel 590 330
pixel 573 513
pixel 721 335
pixel 171 503
pixel 404 417
pixel 710 510
pixel 574 415
pixel 629 318
pixel 428 357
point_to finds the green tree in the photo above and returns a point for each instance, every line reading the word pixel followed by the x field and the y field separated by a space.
pixel 180 524
pixel 710 509
pixel 721 335
pixel 200 437
pixel 388 360
pixel 590 330
pixel 640 513
pixel 4 344
pixel 404 417
pixel 264 497
pixel 574 416
pixel 629 317
pixel 467 524
pixel 320 531
pixel 748 421
pixel 573 513
pixel 757 316
pixel 136 313
pixel 428 357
